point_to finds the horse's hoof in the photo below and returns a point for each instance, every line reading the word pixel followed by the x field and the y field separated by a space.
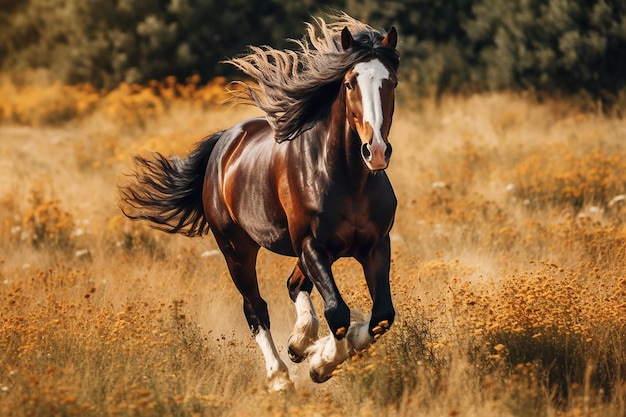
pixel 317 377
pixel 280 383
pixel 381 328
pixel 295 356
pixel 325 356
pixel 298 348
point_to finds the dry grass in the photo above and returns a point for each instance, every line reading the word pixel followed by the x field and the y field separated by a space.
pixel 509 268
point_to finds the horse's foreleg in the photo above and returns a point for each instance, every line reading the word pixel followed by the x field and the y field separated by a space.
pixel 327 353
pixel 307 324
pixel 376 263
pixel 317 266
pixel 362 334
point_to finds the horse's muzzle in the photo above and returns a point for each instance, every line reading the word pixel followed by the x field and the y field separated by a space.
pixel 376 156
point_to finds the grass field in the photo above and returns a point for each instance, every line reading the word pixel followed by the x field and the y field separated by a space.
pixel 508 273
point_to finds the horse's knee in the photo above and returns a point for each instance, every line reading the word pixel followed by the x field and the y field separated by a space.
pixel 298 282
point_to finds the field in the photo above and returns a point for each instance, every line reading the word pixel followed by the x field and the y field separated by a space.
pixel 508 273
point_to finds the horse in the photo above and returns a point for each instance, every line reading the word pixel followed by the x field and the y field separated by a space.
pixel 307 181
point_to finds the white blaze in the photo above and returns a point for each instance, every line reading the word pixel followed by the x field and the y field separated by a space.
pixel 370 76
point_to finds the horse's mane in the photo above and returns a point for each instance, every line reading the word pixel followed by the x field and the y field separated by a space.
pixel 296 88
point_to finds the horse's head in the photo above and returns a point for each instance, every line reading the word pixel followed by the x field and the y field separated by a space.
pixel 369 90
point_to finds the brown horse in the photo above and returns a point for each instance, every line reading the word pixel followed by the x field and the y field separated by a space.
pixel 306 181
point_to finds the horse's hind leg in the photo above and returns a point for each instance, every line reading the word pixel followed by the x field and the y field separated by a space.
pixel 307 324
pixel 242 267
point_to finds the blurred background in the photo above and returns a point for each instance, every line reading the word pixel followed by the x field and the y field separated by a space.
pixel 573 48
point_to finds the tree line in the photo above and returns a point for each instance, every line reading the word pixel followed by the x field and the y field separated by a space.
pixel 547 46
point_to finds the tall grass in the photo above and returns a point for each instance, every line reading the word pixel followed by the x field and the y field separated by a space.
pixel 508 267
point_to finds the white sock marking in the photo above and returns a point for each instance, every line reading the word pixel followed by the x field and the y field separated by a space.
pixel 277 371
pixel 304 306
pixel 307 324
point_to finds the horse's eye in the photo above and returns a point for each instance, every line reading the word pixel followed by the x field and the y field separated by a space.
pixel 348 85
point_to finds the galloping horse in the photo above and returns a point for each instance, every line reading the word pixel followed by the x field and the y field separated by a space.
pixel 305 181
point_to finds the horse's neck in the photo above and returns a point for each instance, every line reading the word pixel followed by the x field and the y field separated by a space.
pixel 345 145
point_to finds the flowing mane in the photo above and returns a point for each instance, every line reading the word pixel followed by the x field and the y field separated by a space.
pixel 296 88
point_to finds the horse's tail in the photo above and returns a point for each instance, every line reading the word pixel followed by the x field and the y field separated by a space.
pixel 168 191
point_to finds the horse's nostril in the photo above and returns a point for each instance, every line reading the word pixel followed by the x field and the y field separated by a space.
pixel 366 152
pixel 388 151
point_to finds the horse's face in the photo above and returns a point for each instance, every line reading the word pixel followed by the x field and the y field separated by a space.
pixel 369 91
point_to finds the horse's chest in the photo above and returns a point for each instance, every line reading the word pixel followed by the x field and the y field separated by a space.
pixel 344 232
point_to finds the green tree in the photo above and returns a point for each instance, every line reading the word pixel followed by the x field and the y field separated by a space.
pixel 549 46
pixel 555 45
pixel 136 41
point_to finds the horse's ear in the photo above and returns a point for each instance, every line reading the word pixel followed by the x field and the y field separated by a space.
pixel 346 39
pixel 391 40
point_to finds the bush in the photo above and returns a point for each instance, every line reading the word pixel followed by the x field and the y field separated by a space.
pixel 565 46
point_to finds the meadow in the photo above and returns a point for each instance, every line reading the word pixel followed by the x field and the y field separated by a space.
pixel 508 273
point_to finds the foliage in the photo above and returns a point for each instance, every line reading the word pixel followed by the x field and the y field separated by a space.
pixel 46 224
pixel 546 46
pixel 40 102
pixel 564 45
pixel 156 341
pixel 90 41
pixel 593 178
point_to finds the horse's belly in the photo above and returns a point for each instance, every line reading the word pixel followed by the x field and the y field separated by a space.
pixel 274 238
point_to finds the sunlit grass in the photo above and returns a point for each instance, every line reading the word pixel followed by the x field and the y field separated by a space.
pixel 39 102
pixel 508 267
